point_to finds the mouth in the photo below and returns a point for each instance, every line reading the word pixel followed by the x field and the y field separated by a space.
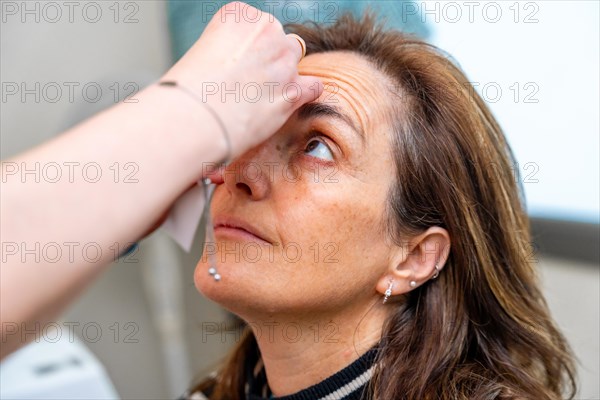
pixel 239 229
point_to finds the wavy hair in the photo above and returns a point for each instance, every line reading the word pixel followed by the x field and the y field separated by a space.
pixel 482 330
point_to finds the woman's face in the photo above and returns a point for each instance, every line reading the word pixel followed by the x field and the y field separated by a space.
pixel 316 193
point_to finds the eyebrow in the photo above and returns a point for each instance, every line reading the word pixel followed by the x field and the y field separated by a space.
pixel 316 109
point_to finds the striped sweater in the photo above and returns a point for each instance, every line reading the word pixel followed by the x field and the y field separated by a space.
pixel 350 383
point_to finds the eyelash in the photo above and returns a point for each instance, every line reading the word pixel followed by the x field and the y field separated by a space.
pixel 314 134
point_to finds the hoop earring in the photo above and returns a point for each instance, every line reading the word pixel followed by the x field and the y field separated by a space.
pixel 437 272
pixel 388 292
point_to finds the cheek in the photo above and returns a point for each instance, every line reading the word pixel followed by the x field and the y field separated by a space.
pixel 337 229
pixel 331 251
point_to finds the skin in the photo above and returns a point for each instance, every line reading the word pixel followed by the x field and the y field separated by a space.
pixel 316 314
pixel 167 135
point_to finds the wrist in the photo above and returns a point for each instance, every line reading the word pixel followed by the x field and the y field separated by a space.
pixel 206 108
pixel 188 136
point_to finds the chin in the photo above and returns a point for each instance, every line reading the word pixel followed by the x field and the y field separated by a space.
pixel 207 286
pixel 233 292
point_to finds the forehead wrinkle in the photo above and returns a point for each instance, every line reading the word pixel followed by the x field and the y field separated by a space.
pixel 354 105
pixel 343 76
pixel 352 90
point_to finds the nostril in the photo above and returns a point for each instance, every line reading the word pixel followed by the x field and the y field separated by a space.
pixel 242 186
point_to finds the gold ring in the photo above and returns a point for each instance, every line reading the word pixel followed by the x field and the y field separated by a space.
pixel 302 44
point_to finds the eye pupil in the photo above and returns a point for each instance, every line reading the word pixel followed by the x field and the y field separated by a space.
pixel 317 148
pixel 312 145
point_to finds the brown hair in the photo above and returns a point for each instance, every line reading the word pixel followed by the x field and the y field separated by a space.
pixel 482 330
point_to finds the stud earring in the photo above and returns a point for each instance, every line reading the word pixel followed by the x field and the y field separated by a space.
pixel 388 292
pixel 413 284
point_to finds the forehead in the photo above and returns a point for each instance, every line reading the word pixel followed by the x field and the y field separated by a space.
pixel 352 84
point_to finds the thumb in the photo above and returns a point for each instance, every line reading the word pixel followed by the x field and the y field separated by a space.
pixel 311 88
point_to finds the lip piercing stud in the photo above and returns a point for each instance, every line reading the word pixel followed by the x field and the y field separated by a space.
pixel 212 271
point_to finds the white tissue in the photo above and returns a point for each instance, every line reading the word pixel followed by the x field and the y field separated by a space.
pixel 183 219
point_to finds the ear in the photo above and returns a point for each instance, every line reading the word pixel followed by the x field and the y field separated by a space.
pixel 416 260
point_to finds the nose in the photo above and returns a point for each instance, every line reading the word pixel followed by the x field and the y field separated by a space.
pixel 249 175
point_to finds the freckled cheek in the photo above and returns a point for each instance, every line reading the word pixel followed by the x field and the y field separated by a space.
pixel 355 231
pixel 330 218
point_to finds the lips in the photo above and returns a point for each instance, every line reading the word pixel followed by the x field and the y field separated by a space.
pixel 238 226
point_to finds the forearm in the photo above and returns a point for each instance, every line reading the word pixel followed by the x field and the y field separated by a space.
pixel 147 153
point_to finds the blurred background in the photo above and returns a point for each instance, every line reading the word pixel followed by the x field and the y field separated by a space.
pixel 142 325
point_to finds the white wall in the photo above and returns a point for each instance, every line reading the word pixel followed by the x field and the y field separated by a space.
pixel 537 63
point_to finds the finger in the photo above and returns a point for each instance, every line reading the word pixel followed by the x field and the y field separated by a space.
pixel 311 88
pixel 216 175
pixel 298 44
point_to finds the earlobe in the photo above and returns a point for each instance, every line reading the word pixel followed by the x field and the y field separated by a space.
pixel 388 291
pixel 421 260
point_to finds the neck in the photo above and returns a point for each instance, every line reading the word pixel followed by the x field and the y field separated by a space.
pixel 302 352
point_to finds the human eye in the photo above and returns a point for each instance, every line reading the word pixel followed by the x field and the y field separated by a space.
pixel 317 147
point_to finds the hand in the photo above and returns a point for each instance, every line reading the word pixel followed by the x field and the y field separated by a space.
pixel 246 50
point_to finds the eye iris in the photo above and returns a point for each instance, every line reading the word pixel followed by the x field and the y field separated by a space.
pixel 318 149
pixel 312 145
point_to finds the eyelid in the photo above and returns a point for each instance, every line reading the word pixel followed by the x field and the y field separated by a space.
pixel 314 133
